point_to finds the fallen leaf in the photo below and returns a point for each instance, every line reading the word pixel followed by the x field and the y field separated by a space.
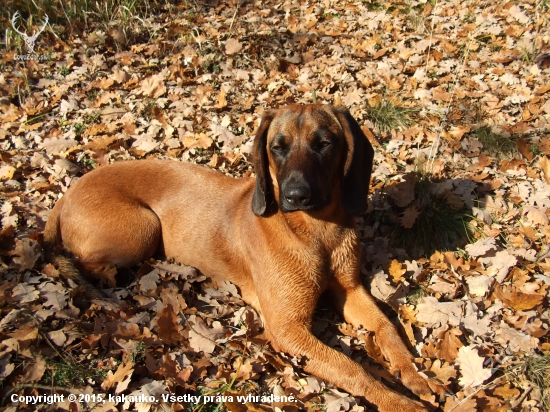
pixel 121 373
pixel 233 46
pixel 396 271
pixel 203 339
pixel 471 367
pixel 169 329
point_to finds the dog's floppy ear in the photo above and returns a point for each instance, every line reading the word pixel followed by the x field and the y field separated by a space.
pixel 358 164
pixel 263 196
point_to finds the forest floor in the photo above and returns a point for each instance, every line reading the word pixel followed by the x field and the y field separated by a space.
pixel 455 97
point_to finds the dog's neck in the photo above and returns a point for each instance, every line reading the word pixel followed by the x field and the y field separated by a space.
pixel 326 226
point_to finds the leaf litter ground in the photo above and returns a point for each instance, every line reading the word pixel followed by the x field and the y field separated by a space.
pixel 472 81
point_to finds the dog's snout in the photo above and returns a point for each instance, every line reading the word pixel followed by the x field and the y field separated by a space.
pixel 297 195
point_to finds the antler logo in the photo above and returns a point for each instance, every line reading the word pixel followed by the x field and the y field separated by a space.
pixel 29 40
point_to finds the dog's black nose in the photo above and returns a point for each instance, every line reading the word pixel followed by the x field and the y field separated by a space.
pixel 298 195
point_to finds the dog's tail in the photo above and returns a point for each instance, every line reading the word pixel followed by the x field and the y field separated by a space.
pixel 53 250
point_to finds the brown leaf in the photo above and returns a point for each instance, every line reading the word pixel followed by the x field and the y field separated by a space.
pixel 106 275
pixel 464 405
pixel 506 392
pixel 33 372
pixel 409 216
pixel 233 46
pixel 447 348
pixel 200 140
pixel 443 371
pixel 518 300
pixel 402 193
pixel 26 253
pixel 153 86
pixel 222 101
pixel 524 147
pixel 122 372
pixel 484 160
pixel 544 165
pixel 203 338
pixel 169 329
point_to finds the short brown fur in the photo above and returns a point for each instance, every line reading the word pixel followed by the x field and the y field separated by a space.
pixel 298 239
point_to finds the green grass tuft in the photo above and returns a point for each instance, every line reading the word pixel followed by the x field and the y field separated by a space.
pixel 537 371
pixel 496 144
pixel 71 375
pixel 438 226
pixel 387 116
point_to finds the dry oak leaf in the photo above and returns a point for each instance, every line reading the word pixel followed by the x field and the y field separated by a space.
pixel 435 313
pixel 471 367
pixel 56 146
pixel 380 287
pixel 524 147
pixel 200 140
pixel 514 339
pixel 6 368
pixel 233 46
pixel 518 300
pixel 55 295
pixel 149 281
pixel 479 285
pixel 6 172
pixel 409 216
pixel 203 338
pixel 34 371
pixel 222 100
pixel 151 390
pixel 544 165
pixel 396 271
pixel 464 405
pixel 402 193
pixel 516 13
pixel 169 329
pixel 506 392
pixel 500 264
pixel 122 372
pixel 153 86
pixel 481 247
pixel 449 345
pixel 443 371
pixel 57 337
pixel 25 293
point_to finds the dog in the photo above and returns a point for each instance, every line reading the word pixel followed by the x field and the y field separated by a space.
pixel 283 237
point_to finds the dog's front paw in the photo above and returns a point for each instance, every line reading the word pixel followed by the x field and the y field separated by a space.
pixel 421 385
pixel 394 402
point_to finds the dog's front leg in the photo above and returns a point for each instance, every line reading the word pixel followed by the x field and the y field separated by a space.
pixel 360 309
pixel 288 310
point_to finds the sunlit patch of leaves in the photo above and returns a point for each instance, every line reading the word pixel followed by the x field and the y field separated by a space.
pixel 387 115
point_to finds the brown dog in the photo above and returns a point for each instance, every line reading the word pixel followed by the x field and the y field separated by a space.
pixel 282 238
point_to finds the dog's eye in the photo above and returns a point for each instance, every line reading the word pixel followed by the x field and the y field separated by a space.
pixel 277 148
pixel 323 144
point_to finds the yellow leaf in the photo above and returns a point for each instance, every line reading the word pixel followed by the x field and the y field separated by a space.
pixel 396 271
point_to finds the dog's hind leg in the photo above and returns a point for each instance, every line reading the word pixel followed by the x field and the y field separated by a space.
pixel 124 235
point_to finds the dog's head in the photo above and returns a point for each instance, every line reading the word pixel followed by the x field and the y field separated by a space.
pixel 303 153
